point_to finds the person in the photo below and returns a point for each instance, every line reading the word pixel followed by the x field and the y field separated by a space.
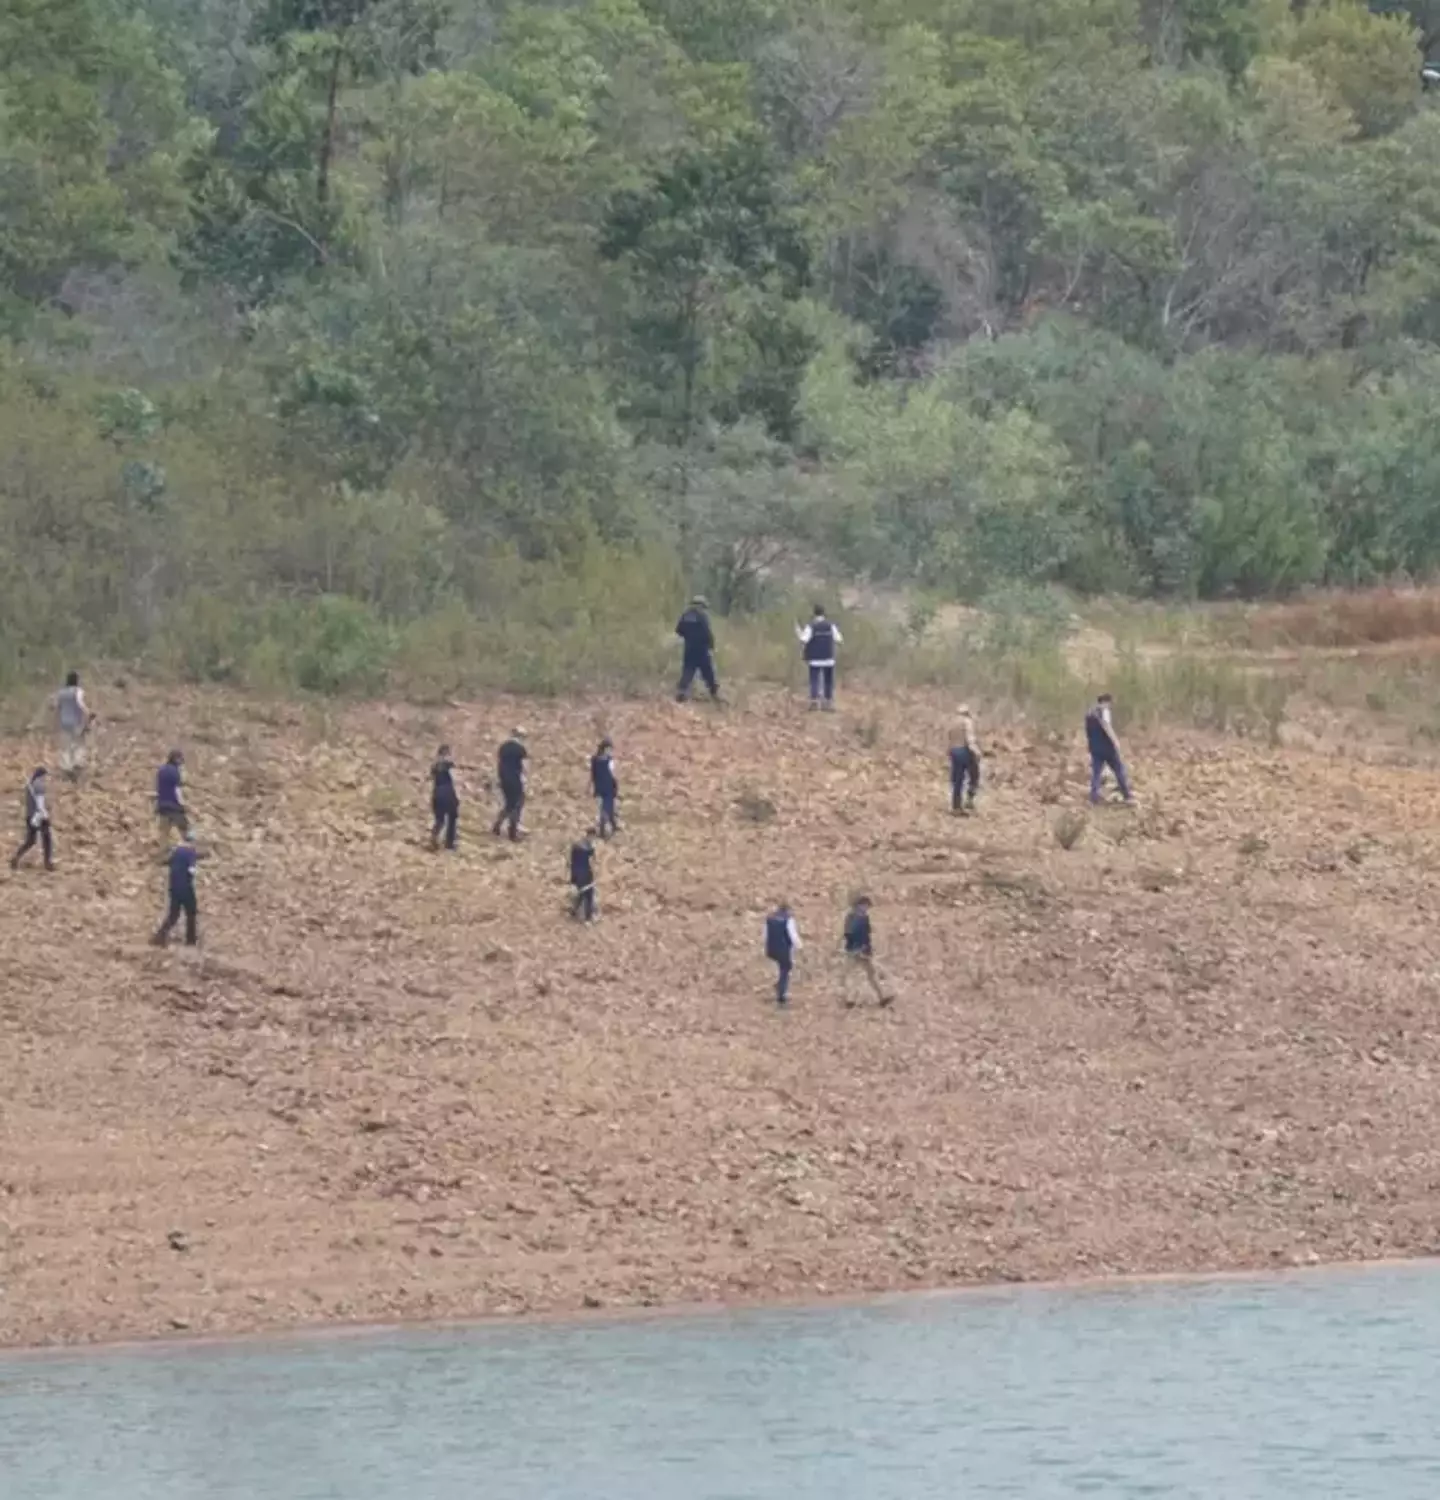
pixel 694 630
pixel 964 762
pixel 37 822
pixel 1105 749
pixel 444 800
pixel 582 876
pixel 183 858
pixel 859 949
pixel 819 639
pixel 606 788
pixel 511 768
pixel 74 718
pixel 169 799
pixel 782 943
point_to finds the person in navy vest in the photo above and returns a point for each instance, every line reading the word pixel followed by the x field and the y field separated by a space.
pixel 169 799
pixel 605 786
pixel 37 821
pixel 510 769
pixel 183 859
pixel 444 800
pixel 860 950
pixel 1105 749
pixel 782 943
pixel 582 877
pixel 694 630
pixel 818 640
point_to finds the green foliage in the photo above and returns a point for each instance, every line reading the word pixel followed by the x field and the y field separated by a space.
pixel 356 337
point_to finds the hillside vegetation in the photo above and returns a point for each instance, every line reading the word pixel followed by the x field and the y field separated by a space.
pixel 447 341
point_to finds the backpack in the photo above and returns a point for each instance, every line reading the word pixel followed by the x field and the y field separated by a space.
pixel 777 937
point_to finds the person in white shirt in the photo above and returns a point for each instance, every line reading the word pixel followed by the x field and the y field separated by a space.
pixel 782 943
pixel 75 719
pixel 964 762
pixel 819 639
pixel 1104 748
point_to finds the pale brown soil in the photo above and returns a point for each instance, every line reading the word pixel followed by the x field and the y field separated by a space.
pixel 398 1085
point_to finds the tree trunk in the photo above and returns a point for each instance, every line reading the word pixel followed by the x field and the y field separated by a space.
pixel 327 140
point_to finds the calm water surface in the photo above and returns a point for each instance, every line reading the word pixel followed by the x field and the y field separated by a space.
pixel 1325 1386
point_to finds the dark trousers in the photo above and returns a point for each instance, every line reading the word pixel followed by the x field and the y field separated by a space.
pixel 584 902
pixel 180 901
pixel 607 815
pixel 822 684
pixel 782 979
pixel 1100 762
pixel 447 818
pixel 964 777
pixel 704 665
pixel 33 835
pixel 510 814
pixel 174 817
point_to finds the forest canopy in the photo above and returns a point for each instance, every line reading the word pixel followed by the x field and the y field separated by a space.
pixel 323 320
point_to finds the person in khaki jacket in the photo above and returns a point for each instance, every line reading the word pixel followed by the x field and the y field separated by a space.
pixel 964 762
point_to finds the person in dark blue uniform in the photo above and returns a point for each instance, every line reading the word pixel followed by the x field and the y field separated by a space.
pixel 582 877
pixel 444 799
pixel 694 630
pixel 510 767
pixel 818 641
pixel 183 859
pixel 782 943
pixel 605 787
pixel 169 799
pixel 1105 749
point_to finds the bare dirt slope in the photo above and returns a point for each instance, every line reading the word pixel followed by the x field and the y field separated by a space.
pixel 400 1085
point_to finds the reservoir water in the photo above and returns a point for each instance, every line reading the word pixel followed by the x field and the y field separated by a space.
pixel 1308 1386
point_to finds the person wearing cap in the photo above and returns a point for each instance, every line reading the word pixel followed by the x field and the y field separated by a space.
pixel 183 859
pixel 964 762
pixel 818 641
pixel 510 764
pixel 169 799
pixel 1104 749
pixel 860 951
pixel 444 800
pixel 694 630
pixel 605 786
pixel 37 821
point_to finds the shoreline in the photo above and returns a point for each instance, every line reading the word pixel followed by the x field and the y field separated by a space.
pixel 315 1333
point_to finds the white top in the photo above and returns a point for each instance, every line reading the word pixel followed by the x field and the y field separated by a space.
pixel 794 933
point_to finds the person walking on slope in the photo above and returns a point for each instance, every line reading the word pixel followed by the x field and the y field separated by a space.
pixel 694 630
pixel 444 800
pixel 37 822
pixel 169 799
pixel 605 786
pixel 510 763
pixel 964 762
pixel 782 943
pixel 819 639
pixel 183 859
pixel 74 720
pixel 859 951
pixel 582 876
pixel 1105 749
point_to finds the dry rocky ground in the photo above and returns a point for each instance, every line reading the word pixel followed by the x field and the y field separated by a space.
pixel 399 1085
